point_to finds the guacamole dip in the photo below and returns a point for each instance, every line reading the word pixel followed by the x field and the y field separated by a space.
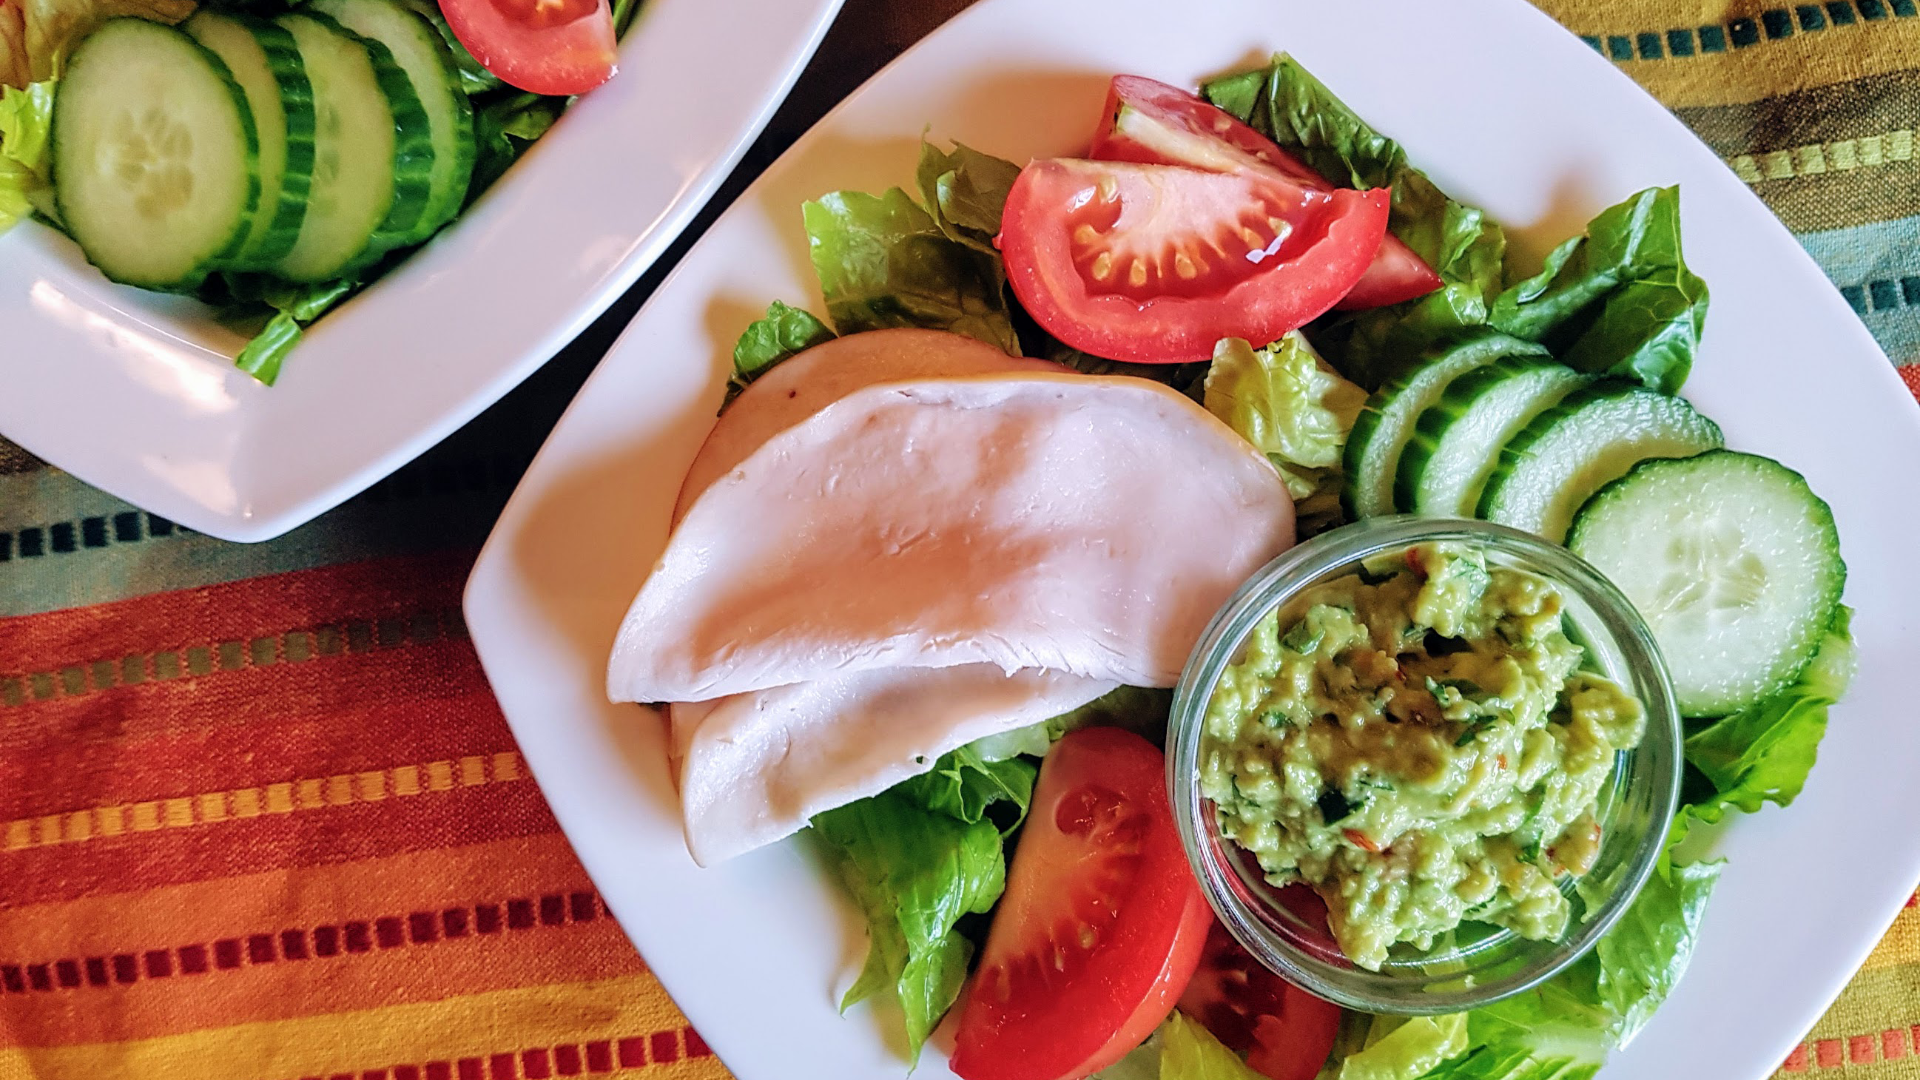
pixel 1419 745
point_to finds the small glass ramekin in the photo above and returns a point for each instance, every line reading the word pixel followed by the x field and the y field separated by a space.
pixel 1478 963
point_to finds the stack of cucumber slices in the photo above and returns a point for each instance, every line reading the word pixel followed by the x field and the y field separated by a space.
pixel 305 147
pixel 1730 558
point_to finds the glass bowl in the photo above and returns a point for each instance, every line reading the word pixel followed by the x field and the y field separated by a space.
pixel 1478 963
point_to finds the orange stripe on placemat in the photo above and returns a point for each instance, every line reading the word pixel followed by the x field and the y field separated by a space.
pixel 329 834
pixel 531 1032
pixel 287 944
pixel 72 639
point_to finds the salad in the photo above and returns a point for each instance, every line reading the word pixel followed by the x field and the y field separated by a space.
pixel 947 547
pixel 273 157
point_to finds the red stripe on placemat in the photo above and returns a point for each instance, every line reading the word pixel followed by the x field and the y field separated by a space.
pixel 545 1062
pixel 1911 376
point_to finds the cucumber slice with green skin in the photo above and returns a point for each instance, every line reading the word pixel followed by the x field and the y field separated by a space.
pixel 1456 441
pixel 354 174
pixel 419 50
pixel 1386 423
pixel 412 144
pixel 1592 437
pixel 1733 562
pixel 266 64
pixel 155 158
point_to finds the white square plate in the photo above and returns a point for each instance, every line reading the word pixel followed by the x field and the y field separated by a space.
pixel 135 392
pixel 1505 109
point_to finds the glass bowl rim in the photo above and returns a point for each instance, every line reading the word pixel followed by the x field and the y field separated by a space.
pixel 1313 561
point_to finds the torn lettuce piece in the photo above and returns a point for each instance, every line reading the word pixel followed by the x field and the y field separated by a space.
pixel 1293 408
pixel 1764 752
pixel 1405 1047
pixel 26 121
pixel 294 306
pixel 916 858
pixel 1618 300
pixel 965 191
pixel 1189 1051
pixel 1643 957
pixel 782 333
pixel 1464 246
pixel 884 261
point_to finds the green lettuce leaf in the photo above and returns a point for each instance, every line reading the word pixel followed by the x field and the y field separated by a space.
pixel 1406 1047
pixel 474 78
pixel 1619 300
pixel 26 119
pixel 1138 709
pixel 294 307
pixel 917 857
pixel 884 261
pixel 963 786
pixel 914 873
pixel 1293 408
pixel 1763 753
pixel 505 123
pixel 1464 246
pixel 965 190
pixel 35 41
pixel 1189 1051
pixel 1646 952
pixel 781 333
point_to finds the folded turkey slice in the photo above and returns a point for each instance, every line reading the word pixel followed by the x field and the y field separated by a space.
pixel 771 759
pixel 755 767
pixel 1075 524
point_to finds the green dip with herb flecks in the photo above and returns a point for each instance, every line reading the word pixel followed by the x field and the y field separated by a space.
pixel 1418 743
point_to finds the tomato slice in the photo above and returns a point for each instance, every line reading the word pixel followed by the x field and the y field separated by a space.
pixel 1152 123
pixel 545 46
pixel 1155 263
pixel 1285 1032
pixel 1101 924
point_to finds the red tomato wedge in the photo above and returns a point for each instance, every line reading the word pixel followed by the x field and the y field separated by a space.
pixel 1153 123
pixel 1101 924
pixel 1285 1032
pixel 1155 263
pixel 545 46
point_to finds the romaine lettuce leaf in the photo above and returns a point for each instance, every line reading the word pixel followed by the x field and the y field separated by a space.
pixel 884 261
pixel 26 119
pixel 965 191
pixel 35 42
pixel 504 125
pixel 781 333
pixel 1189 1051
pixel 1763 753
pixel 963 785
pixel 1646 952
pixel 1463 245
pixel 916 858
pixel 294 306
pixel 1292 408
pixel 1619 300
pixel 1405 1047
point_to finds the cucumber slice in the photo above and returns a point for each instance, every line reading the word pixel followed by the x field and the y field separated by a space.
pixel 266 65
pixel 1386 423
pixel 155 158
pixel 430 68
pixel 1733 562
pixel 356 179
pixel 1456 442
pixel 1593 436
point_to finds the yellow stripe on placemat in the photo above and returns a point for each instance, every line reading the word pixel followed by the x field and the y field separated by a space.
pixel 217 807
pixel 625 1026
pixel 1717 53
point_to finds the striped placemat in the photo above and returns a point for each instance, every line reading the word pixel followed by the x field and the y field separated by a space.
pixel 261 818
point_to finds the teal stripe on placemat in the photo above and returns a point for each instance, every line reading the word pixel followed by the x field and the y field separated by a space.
pixel 1771 24
pixel 1877 269
pixel 66 544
